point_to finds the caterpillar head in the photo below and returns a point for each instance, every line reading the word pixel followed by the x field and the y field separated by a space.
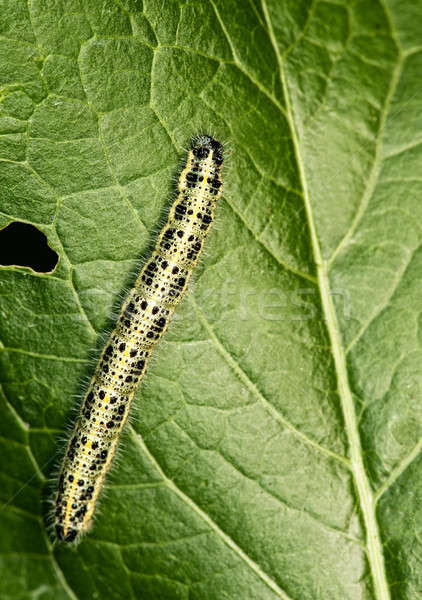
pixel 204 144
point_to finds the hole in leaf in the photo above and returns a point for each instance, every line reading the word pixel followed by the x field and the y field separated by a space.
pixel 24 245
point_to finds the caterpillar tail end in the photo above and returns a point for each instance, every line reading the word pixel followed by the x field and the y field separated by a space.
pixel 68 535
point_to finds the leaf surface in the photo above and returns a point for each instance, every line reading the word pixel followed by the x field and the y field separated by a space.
pixel 274 447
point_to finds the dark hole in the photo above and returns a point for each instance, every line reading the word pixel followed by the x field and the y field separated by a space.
pixel 24 245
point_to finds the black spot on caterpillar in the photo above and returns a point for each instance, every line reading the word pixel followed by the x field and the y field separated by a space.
pixel 143 319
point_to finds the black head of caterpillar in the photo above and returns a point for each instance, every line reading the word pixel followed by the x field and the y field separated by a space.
pixel 143 319
pixel 203 145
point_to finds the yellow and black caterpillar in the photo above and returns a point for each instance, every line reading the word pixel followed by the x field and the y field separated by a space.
pixel 143 319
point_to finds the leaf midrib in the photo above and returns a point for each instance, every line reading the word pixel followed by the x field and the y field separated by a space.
pixel 363 488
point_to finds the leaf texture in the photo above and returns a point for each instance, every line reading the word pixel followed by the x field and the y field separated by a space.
pixel 275 447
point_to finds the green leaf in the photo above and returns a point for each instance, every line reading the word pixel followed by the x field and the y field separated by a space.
pixel 274 450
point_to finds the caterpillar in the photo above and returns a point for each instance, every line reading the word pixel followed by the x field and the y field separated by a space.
pixel 143 319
